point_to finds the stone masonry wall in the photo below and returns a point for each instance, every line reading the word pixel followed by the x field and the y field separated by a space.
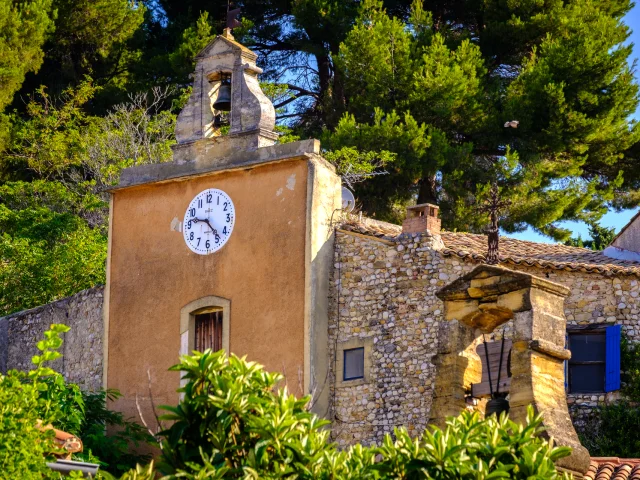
pixel 385 290
pixel 81 362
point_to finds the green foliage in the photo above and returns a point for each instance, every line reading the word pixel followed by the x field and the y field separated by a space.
pixel 612 430
pixel 139 472
pixel 234 423
pixel 23 447
pixel 471 448
pixel 448 75
pixel 601 237
pixel 47 249
pixel 115 452
pixel 355 165
pixel 53 212
pixel 51 140
pixel 42 397
pixel 91 37
pixel 630 368
pixel 456 82
pixel 194 39
pixel 415 91
pixel 58 400
pixel 28 400
pixel 24 26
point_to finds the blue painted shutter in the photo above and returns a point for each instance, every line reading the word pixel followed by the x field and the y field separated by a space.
pixel 612 361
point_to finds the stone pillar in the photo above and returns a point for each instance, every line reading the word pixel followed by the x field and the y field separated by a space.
pixel 481 301
pixel 457 367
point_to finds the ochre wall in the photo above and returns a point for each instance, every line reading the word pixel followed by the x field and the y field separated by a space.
pixel 153 274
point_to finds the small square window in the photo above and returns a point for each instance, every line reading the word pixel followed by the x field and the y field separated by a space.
pixel 353 364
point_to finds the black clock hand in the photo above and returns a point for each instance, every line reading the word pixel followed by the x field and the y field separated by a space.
pixel 205 220
pixel 211 227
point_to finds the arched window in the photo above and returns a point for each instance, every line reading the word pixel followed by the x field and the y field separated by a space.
pixel 204 323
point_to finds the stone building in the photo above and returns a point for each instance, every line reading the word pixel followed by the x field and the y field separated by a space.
pixel 241 243
pixel 383 296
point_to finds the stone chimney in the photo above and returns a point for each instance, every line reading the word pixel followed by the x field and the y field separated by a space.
pixel 422 218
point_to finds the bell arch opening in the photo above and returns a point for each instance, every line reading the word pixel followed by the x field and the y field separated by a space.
pixel 482 301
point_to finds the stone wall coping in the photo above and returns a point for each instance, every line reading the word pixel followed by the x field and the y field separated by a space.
pixel 458 290
pixel 239 159
pixel 551 349
pixel 367 237
pixel 40 308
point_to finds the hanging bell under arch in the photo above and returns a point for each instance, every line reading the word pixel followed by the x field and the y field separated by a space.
pixel 496 406
pixel 223 100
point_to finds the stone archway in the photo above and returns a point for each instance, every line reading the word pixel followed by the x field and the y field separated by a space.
pixel 478 303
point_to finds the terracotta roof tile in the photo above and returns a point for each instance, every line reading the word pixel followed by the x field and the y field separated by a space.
pixel 368 226
pixel 472 246
pixel 551 255
pixel 613 468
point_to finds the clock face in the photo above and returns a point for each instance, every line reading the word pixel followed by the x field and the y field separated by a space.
pixel 208 221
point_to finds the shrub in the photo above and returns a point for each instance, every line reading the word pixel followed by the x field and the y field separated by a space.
pixel 114 451
pixel 612 431
pixel 234 423
pixel 25 400
pixel 43 396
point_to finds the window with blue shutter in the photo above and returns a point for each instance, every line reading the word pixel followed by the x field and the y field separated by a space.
pixel 612 377
pixel 594 366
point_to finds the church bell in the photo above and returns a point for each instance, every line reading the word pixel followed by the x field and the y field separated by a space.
pixel 223 101
pixel 496 406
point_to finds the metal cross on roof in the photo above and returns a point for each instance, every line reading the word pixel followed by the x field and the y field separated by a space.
pixel 493 207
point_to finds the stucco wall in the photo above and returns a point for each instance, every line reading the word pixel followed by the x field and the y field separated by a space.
pixel 385 290
pixel 261 270
pixel 81 360
pixel 629 238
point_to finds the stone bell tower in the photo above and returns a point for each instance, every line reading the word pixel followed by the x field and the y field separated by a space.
pixel 481 301
pixel 264 288
pixel 252 117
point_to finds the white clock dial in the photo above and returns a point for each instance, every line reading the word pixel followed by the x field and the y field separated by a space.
pixel 208 221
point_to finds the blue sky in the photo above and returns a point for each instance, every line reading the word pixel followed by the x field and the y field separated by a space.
pixel 611 219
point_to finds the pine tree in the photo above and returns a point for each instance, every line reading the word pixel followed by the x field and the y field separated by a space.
pixel 601 237
pixel 91 38
pixel 24 26
pixel 535 97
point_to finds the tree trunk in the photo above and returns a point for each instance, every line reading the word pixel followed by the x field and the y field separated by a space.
pixel 324 73
pixel 338 101
pixel 427 192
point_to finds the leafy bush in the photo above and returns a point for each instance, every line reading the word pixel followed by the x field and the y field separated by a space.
pixel 42 396
pixel 233 423
pixel 22 446
pixel 612 431
pixel 630 366
pixel 27 399
pixel 114 451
